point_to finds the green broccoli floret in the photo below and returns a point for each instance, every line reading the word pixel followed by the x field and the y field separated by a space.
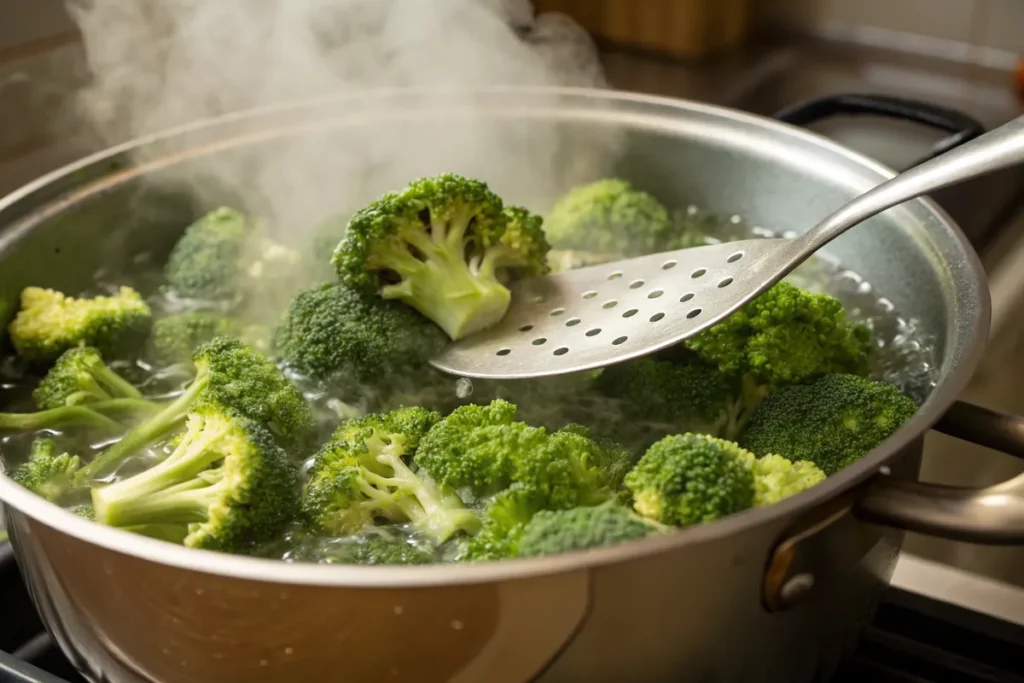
pixel 831 422
pixel 362 475
pixel 81 377
pixel 777 478
pixel 231 376
pixel 227 484
pixel 49 323
pixel 609 216
pixel 503 520
pixel 661 397
pixel 224 257
pixel 785 336
pixel 176 337
pixel 335 332
pixel 172 533
pixel 691 478
pixel 47 472
pixel 484 449
pixel 551 532
pixel 442 246
pixel 81 391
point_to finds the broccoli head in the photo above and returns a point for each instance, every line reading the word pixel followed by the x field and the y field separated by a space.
pixel 550 532
pixel 609 216
pixel 49 323
pixel 785 336
pixel 225 258
pixel 484 449
pixel 81 377
pixel 362 475
pixel 503 520
pixel 442 246
pixel 668 397
pixel 831 422
pixel 48 472
pixel 176 337
pixel 335 332
pixel 232 377
pixel 690 478
pixel 226 485
pixel 777 478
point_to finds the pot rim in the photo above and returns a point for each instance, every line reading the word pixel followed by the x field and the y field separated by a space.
pixel 20 500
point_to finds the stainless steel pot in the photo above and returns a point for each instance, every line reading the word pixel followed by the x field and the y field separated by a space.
pixel 774 594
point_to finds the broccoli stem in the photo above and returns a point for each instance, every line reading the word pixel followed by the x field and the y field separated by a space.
pixel 170 418
pixel 124 406
pixel 67 416
pixel 115 385
pixel 433 512
pixel 173 491
pixel 445 289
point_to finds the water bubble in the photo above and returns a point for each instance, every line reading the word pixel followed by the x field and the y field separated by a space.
pixel 463 387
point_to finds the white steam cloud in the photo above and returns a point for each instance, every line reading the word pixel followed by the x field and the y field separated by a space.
pixel 164 63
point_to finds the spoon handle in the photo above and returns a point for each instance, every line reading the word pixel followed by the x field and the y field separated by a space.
pixel 993 151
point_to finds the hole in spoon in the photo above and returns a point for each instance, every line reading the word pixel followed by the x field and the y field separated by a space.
pixel 698 273
pixel 735 257
pixel 656 317
pixel 725 283
pixel 616 275
pixel 561 351
pixel 504 352
pixel 539 341
pixel 589 295
pixel 619 340
pixel 686 297
pixel 572 321
pixel 636 284
pixel 655 294
pixel 611 303
pixel 693 314
pixel 630 313
pixel 557 312
pixel 526 328
pixel 594 332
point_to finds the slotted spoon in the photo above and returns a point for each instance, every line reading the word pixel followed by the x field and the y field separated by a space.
pixel 600 315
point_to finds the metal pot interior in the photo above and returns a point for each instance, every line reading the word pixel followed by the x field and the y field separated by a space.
pixel 115 216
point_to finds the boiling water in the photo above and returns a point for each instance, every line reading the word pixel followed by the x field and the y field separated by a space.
pixel 905 357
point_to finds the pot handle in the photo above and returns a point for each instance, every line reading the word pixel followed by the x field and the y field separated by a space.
pixel 993 515
pixel 961 127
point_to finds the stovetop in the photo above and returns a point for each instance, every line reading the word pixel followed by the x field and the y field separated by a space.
pixel 913 639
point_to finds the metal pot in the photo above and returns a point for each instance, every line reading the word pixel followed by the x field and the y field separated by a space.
pixel 773 594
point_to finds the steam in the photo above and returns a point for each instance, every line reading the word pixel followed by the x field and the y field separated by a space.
pixel 166 63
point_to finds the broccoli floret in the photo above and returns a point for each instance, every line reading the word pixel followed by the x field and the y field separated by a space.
pixel 335 332
pixel 81 377
pixel 609 216
pixel 777 478
pixel 484 449
pixel 231 376
pixel 176 337
pixel 831 422
pixel 690 478
pixel 47 472
pixel 362 475
pixel 226 483
pixel 442 246
pixel 49 323
pixel 503 521
pixel 785 336
pixel 550 532
pixel 661 397
pixel 224 257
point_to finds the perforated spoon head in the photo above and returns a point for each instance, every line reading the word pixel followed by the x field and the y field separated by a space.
pixel 600 315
